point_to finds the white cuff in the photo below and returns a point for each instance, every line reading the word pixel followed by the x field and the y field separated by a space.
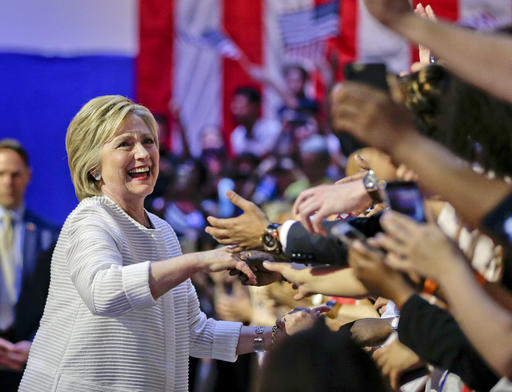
pixel 283 232
pixel 225 340
pixel 136 285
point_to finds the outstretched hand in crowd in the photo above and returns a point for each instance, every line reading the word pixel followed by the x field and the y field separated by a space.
pixel 381 280
pixel 320 279
pixel 322 201
pixel 371 115
pixel 394 360
pixel 242 232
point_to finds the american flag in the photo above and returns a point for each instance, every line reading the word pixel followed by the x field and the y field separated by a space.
pixel 305 31
pixel 216 40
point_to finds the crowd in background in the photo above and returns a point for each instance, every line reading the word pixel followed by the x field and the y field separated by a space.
pixel 429 302
pixel 272 162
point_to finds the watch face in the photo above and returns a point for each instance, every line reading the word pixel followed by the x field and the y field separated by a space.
pixel 269 242
pixel 370 181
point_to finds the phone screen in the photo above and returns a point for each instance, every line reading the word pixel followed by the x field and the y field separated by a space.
pixel 347 234
pixel 405 197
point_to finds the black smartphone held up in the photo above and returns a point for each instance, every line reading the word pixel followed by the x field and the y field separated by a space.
pixel 347 234
pixel 371 74
pixel 405 197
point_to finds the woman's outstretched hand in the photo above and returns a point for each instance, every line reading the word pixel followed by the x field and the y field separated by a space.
pixel 222 259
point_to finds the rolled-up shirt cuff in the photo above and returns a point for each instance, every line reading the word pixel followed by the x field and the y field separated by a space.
pixel 136 285
pixel 225 341
pixel 283 232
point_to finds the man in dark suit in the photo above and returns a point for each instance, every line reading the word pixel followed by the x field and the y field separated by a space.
pixel 26 242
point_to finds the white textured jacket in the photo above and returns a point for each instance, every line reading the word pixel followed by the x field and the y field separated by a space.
pixel 101 329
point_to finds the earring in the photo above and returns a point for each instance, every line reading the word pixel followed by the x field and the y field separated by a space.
pixel 97 176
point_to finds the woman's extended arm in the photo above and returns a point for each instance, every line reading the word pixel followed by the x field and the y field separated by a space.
pixel 164 275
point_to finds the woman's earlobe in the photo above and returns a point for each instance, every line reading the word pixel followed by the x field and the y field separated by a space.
pixel 95 175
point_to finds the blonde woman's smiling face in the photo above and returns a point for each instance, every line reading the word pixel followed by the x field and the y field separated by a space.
pixel 129 163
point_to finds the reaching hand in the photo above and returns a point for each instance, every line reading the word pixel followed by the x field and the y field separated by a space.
pixel 370 115
pixel 394 359
pixel 255 259
pixel 297 274
pixel 414 247
pixel 300 319
pixel 325 200
pixel 424 52
pixel 244 231
pixel 378 278
pixel 221 259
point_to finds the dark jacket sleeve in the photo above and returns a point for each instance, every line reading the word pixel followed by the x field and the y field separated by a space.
pixel 434 335
pixel 304 247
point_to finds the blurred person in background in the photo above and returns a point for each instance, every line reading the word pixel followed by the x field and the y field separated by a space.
pixel 26 243
pixel 253 134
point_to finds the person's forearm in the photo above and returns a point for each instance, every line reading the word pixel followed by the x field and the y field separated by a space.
pixel 440 172
pixel 487 325
pixel 247 336
pixel 340 283
pixel 482 59
pixel 166 274
pixel 499 294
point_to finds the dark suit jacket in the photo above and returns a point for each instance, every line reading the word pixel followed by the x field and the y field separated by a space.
pixel 38 243
pixel 304 247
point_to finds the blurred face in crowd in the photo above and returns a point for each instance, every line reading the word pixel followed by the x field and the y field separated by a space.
pixel 14 178
pixel 294 81
pixel 129 163
pixel 242 109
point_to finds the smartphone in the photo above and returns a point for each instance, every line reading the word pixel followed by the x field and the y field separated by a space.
pixel 347 234
pixel 371 74
pixel 405 197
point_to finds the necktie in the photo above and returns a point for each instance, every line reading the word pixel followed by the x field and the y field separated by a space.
pixel 7 255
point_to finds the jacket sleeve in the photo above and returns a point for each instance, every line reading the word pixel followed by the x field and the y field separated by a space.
pixel 434 335
pixel 304 247
pixel 107 287
pixel 210 338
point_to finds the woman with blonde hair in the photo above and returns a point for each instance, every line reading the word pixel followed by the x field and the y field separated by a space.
pixel 122 313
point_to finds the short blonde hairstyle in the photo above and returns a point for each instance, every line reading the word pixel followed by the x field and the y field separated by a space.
pixel 94 125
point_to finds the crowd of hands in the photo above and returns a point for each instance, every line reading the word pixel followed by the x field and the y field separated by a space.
pixel 412 251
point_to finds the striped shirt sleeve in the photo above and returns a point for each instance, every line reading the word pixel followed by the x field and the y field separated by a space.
pixel 95 265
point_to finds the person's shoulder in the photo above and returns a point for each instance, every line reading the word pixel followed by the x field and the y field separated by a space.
pixel 95 209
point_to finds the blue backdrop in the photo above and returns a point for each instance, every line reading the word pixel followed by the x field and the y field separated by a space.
pixel 38 98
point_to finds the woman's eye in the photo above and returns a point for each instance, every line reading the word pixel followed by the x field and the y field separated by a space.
pixel 123 144
pixel 149 141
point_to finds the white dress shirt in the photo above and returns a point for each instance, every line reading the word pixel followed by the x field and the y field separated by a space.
pixel 7 304
pixel 262 140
